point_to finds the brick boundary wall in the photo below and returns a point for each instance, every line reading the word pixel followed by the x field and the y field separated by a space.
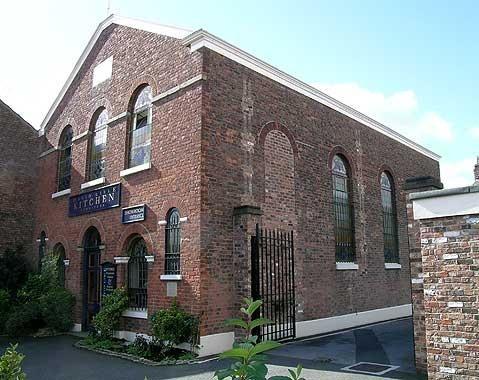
pixel 450 265
pixel 418 184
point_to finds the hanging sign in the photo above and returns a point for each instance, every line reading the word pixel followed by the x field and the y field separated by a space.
pixel 96 200
pixel 133 214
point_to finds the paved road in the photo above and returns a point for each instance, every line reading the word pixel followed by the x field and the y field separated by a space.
pixel 55 358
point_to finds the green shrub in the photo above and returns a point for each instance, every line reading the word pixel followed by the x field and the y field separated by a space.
pixel 13 270
pixel 56 308
pixel 42 302
pixel 174 326
pixel 11 365
pixel 108 318
pixel 5 308
pixel 24 320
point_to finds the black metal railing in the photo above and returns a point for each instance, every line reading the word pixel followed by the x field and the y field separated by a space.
pixel 173 242
pixel 391 251
pixel 172 263
pixel 273 282
pixel 344 227
pixel 138 279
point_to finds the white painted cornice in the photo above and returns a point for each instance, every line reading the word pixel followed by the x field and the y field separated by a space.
pixel 202 38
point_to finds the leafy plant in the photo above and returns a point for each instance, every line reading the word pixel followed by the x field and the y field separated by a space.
pixel 10 364
pixel 42 302
pixel 248 353
pixel 5 308
pixel 174 326
pixel 149 349
pixel 108 318
pixel 13 270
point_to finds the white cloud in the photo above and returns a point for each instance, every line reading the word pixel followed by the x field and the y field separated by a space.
pixel 399 111
pixel 458 173
pixel 474 132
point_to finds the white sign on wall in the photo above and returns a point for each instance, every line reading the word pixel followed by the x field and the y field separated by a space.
pixel 102 71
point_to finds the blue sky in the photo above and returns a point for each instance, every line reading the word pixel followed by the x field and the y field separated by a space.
pixel 410 64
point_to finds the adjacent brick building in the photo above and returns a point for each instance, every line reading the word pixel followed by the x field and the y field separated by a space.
pixel 448 320
pixel 207 141
pixel 18 173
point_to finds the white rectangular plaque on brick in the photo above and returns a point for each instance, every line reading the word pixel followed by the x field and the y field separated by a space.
pixel 455 304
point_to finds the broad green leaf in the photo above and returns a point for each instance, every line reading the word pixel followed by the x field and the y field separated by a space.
pixel 299 369
pixel 279 378
pixel 264 346
pixel 252 308
pixel 223 374
pixel 241 353
pixel 236 322
pixel 260 322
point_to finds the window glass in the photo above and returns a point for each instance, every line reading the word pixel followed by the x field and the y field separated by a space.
pixel 343 211
pixel 172 242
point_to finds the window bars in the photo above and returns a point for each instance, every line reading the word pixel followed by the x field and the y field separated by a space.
pixel 65 159
pixel 391 251
pixel 98 147
pixel 343 212
pixel 172 242
pixel 138 275
pixel 140 132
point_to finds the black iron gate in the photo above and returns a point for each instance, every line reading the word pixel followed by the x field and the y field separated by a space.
pixel 273 282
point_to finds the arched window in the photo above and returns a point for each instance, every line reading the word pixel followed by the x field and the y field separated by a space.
pixel 138 274
pixel 172 242
pixel 391 252
pixel 140 131
pixel 65 159
pixel 42 248
pixel 59 251
pixel 343 210
pixel 98 145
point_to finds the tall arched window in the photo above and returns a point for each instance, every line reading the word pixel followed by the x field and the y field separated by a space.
pixel 59 251
pixel 343 210
pixel 391 252
pixel 138 274
pixel 65 159
pixel 140 131
pixel 42 248
pixel 98 145
pixel 172 242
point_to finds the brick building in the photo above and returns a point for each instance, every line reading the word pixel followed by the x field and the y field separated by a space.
pixel 166 147
pixel 446 324
pixel 17 179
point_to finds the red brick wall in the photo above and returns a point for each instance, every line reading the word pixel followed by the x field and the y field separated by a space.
pixel 19 150
pixel 239 105
pixel 450 258
pixel 173 180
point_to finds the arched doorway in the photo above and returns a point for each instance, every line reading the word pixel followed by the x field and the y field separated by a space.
pixel 91 276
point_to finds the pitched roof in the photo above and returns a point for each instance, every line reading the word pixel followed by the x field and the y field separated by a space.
pixel 201 38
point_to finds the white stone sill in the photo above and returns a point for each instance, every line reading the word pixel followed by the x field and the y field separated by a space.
pixel 347 266
pixel 95 182
pixel 135 169
pixel 143 314
pixel 392 266
pixel 61 193
pixel 170 277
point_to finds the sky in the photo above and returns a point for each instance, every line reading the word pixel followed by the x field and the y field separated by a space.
pixel 412 65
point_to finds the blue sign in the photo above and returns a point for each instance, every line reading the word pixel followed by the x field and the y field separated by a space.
pixel 96 200
pixel 108 274
pixel 133 214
